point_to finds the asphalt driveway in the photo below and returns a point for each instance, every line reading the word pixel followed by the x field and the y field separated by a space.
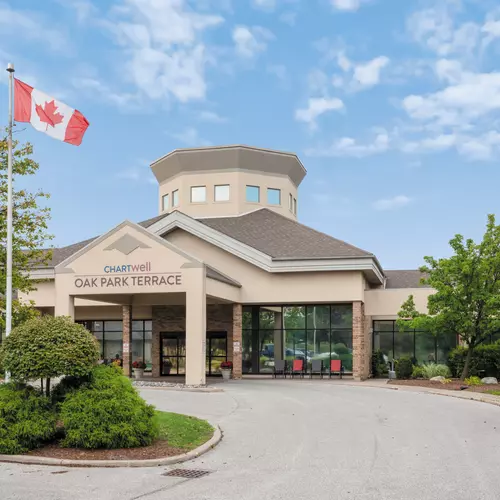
pixel 304 440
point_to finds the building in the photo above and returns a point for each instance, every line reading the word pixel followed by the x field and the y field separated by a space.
pixel 226 272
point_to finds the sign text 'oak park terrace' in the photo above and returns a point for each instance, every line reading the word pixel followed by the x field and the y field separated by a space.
pixel 129 275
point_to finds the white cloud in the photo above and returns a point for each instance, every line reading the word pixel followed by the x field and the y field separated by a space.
pixel 190 137
pixel 31 26
pixel 346 5
pixel 212 117
pixel 344 63
pixel 392 203
pixel 349 147
pixel 368 74
pixel 317 106
pixel 164 47
pixel 267 5
pixel 93 87
pixel 249 41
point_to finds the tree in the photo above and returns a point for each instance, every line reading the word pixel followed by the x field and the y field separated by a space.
pixel 48 347
pixel 30 235
pixel 467 298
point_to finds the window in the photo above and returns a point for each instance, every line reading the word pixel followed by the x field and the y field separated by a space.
pixel 273 196
pixel 164 202
pixel 295 206
pixel 221 193
pixel 175 198
pixel 253 194
pixel 290 202
pixel 198 194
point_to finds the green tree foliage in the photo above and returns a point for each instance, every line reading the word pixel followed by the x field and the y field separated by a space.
pixel 47 347
pixel 30 235
pixel 27 419
pixel 485 360
pixel 108 413
pixel 467 298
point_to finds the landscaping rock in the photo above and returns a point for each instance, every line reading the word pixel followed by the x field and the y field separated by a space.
pixel 489 380
pixel 440 378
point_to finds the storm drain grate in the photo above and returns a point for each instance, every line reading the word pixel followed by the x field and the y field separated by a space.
pixel 187 473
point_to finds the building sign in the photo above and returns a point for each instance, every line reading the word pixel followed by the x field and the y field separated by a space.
pixel 131 275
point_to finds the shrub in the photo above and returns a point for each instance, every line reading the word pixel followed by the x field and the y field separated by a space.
pixel 379 366
pixel 404 367
pixel 47 347
pixel 433 370
pixel 485 360
pixel 473 381
pixel 26 419
pixel 418 372
pixel 107 412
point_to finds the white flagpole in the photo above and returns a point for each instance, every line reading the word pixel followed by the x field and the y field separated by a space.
pixel 8 292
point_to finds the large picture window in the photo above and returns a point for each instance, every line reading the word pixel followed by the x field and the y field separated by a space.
pixel 110 337
pixel 422 346
pixel 306 332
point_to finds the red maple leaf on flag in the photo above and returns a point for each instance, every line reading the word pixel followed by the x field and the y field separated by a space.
pixel 48 114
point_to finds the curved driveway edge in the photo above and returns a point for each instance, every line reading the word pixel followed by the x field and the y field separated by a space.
pixel 154 462
pixel 470 396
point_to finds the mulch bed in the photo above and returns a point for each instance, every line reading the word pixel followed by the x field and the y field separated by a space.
pixel 159 449
pixel 455 385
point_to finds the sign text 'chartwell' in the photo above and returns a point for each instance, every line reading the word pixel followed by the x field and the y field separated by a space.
pixel 128 281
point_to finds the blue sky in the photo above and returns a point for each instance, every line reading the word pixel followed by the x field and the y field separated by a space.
pixel 392 106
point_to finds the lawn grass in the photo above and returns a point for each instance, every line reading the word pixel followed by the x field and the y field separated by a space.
pixel 495 393
pixel 182 431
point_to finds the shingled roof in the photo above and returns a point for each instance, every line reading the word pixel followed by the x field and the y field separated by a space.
pixel 282 238
pixel 404 279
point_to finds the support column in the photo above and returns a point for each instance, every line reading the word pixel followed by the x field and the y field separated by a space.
pixel 65 306
pixel 127 340
pixel 237 340
pixel 279 352
pixel 196 330
pixel 360 367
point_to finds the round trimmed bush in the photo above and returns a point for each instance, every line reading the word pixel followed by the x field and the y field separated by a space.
pixel 27 419
pixel 404 368
pixel 107 412
pixel 49 347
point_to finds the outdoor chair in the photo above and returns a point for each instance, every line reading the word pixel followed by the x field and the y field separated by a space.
pixel 298 368
pixel 335 367
pixel 316 367
pixel 279 368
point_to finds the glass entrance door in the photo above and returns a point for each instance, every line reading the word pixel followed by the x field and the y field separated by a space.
pixel 216 351
pixel 173 353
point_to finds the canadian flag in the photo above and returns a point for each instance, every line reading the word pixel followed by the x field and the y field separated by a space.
pixel 48 115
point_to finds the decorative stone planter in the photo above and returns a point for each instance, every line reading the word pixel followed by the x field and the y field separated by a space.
pixel 226 374
pixel 138 373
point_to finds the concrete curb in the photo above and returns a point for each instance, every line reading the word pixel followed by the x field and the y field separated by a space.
pixel 154 462
pixel 471 396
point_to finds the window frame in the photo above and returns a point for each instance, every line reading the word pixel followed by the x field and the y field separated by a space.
pixel 191 194
pixel 279 196
pixel 290 202
pixel 228 193
pixel 174 193
pixel 167 197
pixel 246 193
pixel 294 206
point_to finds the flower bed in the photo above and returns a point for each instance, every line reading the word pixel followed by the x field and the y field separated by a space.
pixel 454 385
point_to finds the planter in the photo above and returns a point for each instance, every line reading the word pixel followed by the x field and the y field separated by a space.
pixel 226 374
pixel 138 373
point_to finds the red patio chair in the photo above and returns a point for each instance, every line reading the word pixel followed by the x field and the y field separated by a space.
pixel 335 367
pixel 298 368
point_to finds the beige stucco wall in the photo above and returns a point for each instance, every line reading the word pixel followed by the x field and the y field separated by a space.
pixel 237 180
pixel 259 286
pixel 43 296
pixel 387 303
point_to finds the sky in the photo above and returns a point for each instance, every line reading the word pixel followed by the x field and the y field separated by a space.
pixel 392 106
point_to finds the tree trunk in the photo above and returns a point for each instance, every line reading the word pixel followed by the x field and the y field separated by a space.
pixel 47 384
pixel 41 385
pixel 465 371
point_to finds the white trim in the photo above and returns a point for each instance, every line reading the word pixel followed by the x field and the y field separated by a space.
pixel 178 220
pixel 40 274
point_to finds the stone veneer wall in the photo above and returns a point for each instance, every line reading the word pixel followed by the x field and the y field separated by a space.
pixel 360 342
pixel 173 319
